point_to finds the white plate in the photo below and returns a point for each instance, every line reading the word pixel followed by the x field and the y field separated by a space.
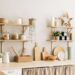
pixel 61 55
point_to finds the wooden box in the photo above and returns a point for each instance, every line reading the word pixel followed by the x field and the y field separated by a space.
pixel 23 58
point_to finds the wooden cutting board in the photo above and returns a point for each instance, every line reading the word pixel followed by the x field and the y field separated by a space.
pixel 57 49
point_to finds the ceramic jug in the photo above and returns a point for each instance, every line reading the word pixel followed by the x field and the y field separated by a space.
pixel 5 57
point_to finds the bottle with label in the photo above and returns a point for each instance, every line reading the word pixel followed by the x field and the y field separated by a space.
pixel 36 52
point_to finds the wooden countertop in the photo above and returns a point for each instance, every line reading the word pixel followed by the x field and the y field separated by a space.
pixel 14 65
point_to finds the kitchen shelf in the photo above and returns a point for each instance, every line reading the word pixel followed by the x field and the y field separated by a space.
pixel 60 40
pixel 13 40
pixel 62 27
pixel 3 24
pixel 24 27
pixel 65 29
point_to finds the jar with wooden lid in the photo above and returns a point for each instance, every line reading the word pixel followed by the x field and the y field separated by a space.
pixel 32 21
pixel 22 37
pixel 5 36
pixel 15 36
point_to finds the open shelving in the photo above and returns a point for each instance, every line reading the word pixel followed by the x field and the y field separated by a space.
pixel 24 27
pixel 56 28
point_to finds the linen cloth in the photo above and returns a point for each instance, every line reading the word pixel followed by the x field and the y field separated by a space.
pixel 55 70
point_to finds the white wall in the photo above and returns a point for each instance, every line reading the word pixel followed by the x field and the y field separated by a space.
pixel 42 10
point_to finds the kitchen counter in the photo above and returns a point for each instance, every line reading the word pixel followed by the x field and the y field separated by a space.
pixel 14 65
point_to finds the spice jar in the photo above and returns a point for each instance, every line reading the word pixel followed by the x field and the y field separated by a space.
pixel 31 21
pixel 23 37
pixel 15 36
pixel 5 36
pixel 19 21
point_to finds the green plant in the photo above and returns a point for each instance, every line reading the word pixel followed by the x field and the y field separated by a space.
pixel 56 33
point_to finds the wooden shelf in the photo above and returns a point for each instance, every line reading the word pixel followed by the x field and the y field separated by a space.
pixel 60 40
pixel 3 24
pixel 62 27
pixel 13 40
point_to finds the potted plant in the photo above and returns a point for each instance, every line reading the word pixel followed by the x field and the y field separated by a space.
pixel 56 34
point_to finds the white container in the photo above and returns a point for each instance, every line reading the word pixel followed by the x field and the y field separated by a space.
pixel 23 37
pixel 19 21
pixel 53 22
pixel 5 57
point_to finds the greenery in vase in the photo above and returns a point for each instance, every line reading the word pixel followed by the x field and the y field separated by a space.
pixel 56 33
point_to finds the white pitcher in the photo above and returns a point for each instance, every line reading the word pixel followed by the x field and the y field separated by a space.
pixel 5 57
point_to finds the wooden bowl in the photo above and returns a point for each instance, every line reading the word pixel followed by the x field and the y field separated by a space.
pixel 3 20
pixel 52 57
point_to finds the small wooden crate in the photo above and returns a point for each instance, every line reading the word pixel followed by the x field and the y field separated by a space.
pixel 23 58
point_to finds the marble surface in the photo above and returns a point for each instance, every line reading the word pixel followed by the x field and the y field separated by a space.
pixel 14 65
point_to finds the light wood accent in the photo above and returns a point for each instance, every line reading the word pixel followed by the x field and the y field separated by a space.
pixel 23 58
pixel 60 40
pixel 62 27
pixel 3 24
pixel 13 40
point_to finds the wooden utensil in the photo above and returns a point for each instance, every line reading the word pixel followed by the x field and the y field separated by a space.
pixel 22 51
pixel 14 51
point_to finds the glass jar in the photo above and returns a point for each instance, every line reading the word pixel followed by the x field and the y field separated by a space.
pixel 15 36
pixel 22 37
pixel 5 36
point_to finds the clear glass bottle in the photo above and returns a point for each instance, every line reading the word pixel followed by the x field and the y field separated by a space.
pixel 32 32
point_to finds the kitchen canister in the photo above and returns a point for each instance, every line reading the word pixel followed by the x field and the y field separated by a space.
pixel 32 21
pixel 5 57
pixel 5 36
pixel 15 36
pixel 19 21
pixel 22 37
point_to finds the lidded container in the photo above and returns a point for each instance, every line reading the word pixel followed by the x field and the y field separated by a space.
pixel 32 21
pixel 19 21
pixel 15 36
pixel 23 37
pixel 5 36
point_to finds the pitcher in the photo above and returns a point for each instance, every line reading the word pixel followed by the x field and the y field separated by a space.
pixel 5 57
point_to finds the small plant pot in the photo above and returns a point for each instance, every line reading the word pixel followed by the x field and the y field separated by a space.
pixel 55 38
